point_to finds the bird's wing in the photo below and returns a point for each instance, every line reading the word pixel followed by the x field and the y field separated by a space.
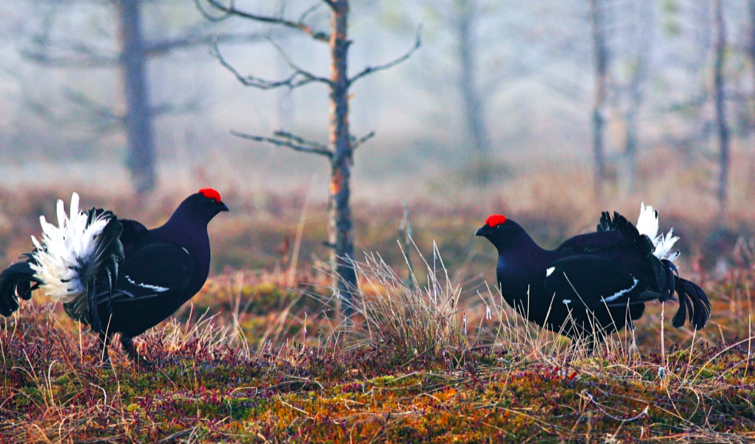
pixel 591 242
pixel 593 282
pixel 640 243
pixel 611 232
pixel 132 233
pixel 152 270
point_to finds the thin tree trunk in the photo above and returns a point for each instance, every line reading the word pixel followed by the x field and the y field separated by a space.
pixel 635 97
pixel 631 142
pixel 723 130
pixel 473 113
pixel 601 79
pixel 138 121
pixel 341 224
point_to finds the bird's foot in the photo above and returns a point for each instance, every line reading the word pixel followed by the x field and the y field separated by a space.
pixel 134 356
pixel 104 357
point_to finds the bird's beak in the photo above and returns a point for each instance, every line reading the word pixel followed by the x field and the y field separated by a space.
pixel 224 207
pixel 484 230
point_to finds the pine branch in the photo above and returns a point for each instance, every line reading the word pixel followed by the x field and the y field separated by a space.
pixel 356 143
pixel 300 140
pixel 298 78
pixel 373 69
pixel 230 10
pixel 288 140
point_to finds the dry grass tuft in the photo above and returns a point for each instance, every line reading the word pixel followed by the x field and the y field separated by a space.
pixel 408 318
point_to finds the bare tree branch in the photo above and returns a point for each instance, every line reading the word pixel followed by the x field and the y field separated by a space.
pixel 373 69
pixel 209 17
pixel 356 143
pixel 188 41
pixel 298 78
pixel 171 108
pixel 95 108
pixel 294 66
pixel 300 140
pixel 309 11
pixel 79 56
pixel 290 141
pixel 72 54
pixel 231 10
pixel 100 121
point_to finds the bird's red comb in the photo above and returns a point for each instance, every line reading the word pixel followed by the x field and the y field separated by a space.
pixel 495 220
pixel 210 194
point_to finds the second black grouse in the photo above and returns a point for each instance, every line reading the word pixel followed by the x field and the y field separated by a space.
pixel 596 283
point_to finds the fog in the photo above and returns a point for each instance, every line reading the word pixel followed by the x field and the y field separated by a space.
pixel 532 68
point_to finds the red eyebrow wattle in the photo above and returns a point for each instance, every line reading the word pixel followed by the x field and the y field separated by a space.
pixel 210 194
pixel 495 220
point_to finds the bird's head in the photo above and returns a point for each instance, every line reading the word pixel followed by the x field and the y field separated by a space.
pixel 202 205
pixel 501 232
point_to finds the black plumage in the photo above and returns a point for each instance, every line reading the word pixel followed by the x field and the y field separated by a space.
pixel 592 284
pixel 132 278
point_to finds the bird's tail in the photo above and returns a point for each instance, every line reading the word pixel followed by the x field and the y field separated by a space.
pixel 70 261
pixel 16 281
pixel 693 303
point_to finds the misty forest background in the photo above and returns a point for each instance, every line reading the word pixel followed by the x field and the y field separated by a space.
pixel 546 111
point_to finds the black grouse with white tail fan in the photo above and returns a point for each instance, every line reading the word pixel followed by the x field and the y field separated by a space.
pixel 596 283
pixel 113 274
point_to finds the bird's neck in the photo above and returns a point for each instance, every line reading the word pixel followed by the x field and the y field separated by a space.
pixel 523 244
pixel 521 265
pixel 188 234
pixel 195 240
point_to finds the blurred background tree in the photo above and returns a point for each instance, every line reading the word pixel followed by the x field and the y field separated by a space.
pixel 122 35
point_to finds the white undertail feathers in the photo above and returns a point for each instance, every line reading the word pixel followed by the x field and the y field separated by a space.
pixel 648 224
pixel 65 250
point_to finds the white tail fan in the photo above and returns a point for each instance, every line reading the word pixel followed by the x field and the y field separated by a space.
pixel 648 224
pixel 65 250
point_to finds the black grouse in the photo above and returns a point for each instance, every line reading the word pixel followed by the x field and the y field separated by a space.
pixel 114 274
pixel 596 283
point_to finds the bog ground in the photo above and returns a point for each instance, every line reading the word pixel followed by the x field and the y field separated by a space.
pixel 260 355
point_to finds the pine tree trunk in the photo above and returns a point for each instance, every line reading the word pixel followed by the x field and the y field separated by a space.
pixel 723 129
pixel 138 121
pixel 341 224
pixel 601 79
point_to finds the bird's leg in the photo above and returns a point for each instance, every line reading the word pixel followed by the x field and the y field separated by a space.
pixel 105 341
pixel 128 345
